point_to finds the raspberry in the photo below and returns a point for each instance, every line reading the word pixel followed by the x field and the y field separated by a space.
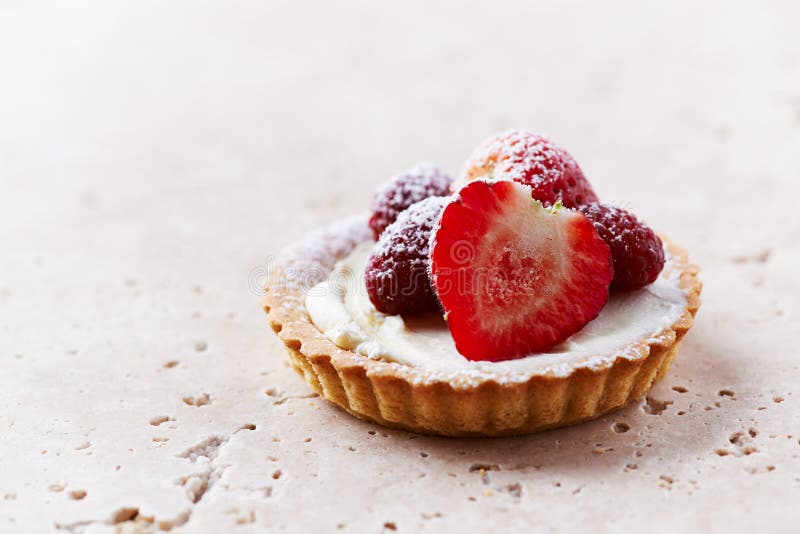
pixel 418 183
pixel 396 274
pixel 637 251
pixel 533 160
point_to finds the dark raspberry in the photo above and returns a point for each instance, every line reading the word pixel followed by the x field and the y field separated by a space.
pixel 533 160
pixel 396 274
pixel 418 183
pixel 637 251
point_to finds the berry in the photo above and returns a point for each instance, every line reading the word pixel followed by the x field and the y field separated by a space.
pixel 531 159
pixel 637 251
pixel 418 183
pixel 513 277
pixel 396 274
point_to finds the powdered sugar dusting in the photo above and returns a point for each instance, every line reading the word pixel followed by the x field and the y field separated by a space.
pixel 511 152
pixel 402 190
pixel 396 275
pixel 419 219
pixel 423 174
pixel 534 160
pixel 307 263
pixel 637 251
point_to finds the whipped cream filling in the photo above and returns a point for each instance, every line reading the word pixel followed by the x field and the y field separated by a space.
pixel 340 308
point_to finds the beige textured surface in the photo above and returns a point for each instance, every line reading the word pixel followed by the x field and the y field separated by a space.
pixel 152 156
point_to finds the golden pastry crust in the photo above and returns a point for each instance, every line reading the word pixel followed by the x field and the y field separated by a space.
pixel 485 404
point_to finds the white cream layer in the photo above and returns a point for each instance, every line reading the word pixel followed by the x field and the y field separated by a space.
pixel 341 309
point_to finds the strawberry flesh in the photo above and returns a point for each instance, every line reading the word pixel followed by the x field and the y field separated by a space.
pixel 513 277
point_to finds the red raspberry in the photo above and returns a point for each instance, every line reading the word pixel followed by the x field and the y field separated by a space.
pixel 396 274
pixel 418 183
pixel 533 160
pixel 637 251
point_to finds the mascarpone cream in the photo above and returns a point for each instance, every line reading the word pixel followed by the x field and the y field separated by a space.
pixel 340 308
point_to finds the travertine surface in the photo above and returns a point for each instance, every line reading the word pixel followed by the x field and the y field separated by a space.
pixel 153 155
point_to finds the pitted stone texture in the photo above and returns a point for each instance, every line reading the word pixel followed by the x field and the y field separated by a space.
pixel 153 156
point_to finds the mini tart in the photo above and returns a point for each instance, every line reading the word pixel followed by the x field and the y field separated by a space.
pixel 467 404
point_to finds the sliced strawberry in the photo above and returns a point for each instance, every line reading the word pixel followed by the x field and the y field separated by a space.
pixel 515 278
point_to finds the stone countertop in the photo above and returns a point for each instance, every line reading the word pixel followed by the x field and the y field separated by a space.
pixel 154 156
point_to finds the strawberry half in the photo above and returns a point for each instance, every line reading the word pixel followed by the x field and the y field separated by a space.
pixel 515 278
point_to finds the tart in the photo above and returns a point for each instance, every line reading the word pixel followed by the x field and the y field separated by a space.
pixel 410 371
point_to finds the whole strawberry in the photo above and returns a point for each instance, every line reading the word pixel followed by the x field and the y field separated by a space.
pixel 396 274
pixel 531 159
pixel 418 183
pixel 637 251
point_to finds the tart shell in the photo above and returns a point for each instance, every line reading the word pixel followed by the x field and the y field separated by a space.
pixel 411 398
